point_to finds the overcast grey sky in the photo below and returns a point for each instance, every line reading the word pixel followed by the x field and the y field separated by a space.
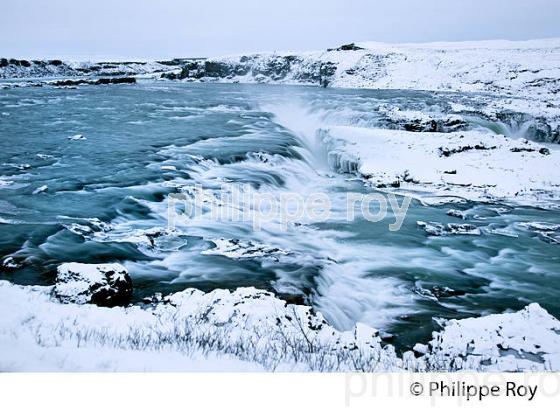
pixel 175 28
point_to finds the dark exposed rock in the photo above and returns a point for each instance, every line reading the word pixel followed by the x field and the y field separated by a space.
pixel 438 292
pixel 326 72
pixel 101 81
pixel 419 126
pixel 103 284
pixel 542 151
pixel 273 68
pixel 457 213
pixel 118 80
pixel 521 149
pixel 395 119
pixel 446 152
pixel 346 47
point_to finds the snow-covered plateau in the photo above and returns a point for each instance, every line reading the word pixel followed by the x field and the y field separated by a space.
pixel 469 165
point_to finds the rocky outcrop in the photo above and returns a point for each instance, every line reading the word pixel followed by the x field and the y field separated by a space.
pixel 13 68
pixel 101 81
pixel 257 68
pixel 102 284
pixel 346 47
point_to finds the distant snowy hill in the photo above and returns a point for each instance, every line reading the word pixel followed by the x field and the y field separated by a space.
pixel 531 68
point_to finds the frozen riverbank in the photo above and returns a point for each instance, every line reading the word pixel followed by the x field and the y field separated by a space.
pixel 249 329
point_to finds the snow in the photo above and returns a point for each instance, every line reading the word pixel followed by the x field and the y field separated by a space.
pixel 528 340
pixel 473 165
pixel 249 330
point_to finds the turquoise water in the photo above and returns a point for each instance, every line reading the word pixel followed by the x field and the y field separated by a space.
pixel 105 192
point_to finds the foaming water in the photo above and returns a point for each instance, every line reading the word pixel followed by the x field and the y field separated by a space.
pixel 108 199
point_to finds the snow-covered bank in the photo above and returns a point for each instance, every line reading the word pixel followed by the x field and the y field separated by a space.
pixel 247 325
pixel 249 329
pixel 473 165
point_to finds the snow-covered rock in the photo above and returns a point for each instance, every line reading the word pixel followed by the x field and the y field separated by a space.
pixel 438 229
pixel 77 137
pixel 528 340
pixel 473 165
pixel 457 213
pixel 418 121
pixel 548 232
pixel 494 66
pixel 10 263
pixel 236 249
pixel 105 284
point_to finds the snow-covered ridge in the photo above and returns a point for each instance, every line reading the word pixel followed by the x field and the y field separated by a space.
pixel 528 67
pixel 250 329
pixel 531 68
